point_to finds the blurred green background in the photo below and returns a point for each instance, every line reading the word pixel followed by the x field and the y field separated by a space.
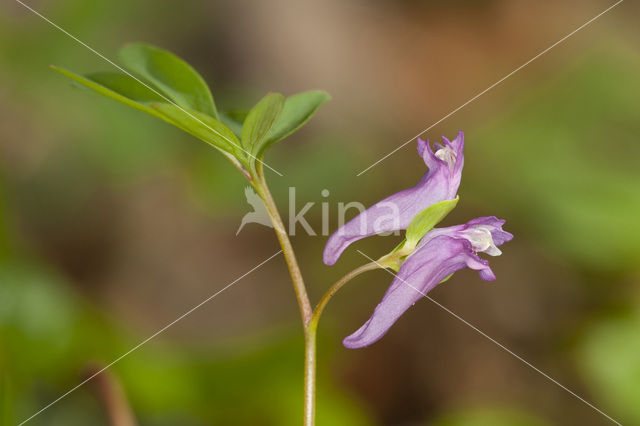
pixel 112 223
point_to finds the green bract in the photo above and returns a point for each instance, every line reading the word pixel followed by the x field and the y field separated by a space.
pixel 159 83
pixel 422 223
pixel 426 220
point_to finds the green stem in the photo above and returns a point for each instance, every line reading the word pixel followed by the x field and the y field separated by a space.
pixel 310 342
pixel 110 393
pixel 334 289
pixel 260 185
pixel 309 316
pixel 310 375
pixel 306 311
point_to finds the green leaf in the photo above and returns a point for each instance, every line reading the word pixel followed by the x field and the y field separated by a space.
pixel 260 120
pixel 202 126
pixel 171 75
pixel 426 220
pixel 130 92
pixel 298 109
pixel 233 120
pixel 105 91
pixel 125 85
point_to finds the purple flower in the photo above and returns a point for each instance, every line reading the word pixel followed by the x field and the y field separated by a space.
pixel 394 213
pixel 484 233
pixel 442 252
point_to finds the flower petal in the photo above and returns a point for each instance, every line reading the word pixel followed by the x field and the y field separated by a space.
pixel 490 225
pixel 495 226
pixel 422 271
pixel 394 213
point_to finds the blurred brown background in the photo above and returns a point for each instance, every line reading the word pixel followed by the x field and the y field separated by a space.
pixel 114 224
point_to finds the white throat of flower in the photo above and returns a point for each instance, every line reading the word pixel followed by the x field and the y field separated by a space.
pixel 481 240
pixel 447 155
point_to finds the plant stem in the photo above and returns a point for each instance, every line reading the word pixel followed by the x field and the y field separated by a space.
pixel 309 375
pixel 110 393
pixel 294 270
pixel 310 342
pixel 306 312
pixel 309 316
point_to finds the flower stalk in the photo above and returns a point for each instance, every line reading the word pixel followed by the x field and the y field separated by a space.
pixel 310 335
pixel 336 287
pixel 310 317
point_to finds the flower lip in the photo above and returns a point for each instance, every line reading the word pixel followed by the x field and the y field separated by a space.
pixel 484 234
pixel 481 240
pixel 448 155
pixel 447 152
pixel 494 225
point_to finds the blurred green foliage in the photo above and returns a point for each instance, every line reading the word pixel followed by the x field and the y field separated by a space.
pixel 565 161
pixel 489 416
pixel 610 359
pixel 48 334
